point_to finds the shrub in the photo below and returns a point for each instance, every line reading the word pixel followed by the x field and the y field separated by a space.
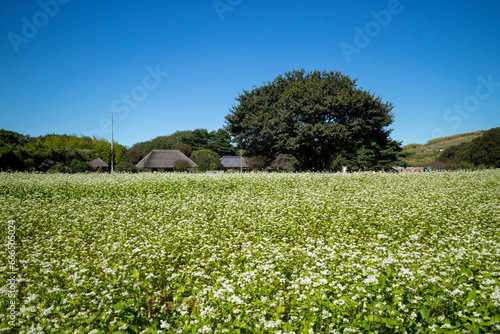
pixel 181 165
pixel 126 167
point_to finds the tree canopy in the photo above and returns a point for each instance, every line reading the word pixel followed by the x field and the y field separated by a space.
pixel 70 153
pixel 191 140
pixel 314 116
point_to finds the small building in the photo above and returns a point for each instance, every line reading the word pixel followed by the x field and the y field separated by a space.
pixel 399 169
pixel 163 161
pixel 98 165
pixel 233 162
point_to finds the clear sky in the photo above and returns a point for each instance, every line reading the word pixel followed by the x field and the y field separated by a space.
pixel 163 66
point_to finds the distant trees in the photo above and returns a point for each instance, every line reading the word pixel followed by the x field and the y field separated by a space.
pixel 481 152
pixel 188 141
pixel 59 153
pixel 206 159
pixel 317 117
pixel 126 167
pixel 133 156
pixel 70 153
pixel 204 147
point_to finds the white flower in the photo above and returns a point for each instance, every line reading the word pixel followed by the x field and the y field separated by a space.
pixel 370 280
pixel 205 329
pixel 495 296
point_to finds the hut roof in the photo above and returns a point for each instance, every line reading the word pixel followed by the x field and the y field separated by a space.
pixel 233 162
pixel 96 163
pixel 163 159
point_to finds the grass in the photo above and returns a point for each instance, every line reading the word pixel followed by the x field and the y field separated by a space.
pixel 422 155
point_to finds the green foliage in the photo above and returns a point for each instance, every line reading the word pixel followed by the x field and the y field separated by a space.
pixel 80 166
pixel 65 141
pixel 23 153
pixel 284 162
pixel 133 156
pixel 73 166
pixel 424 155
pixel 181 165
pixel 184 148
pixel 220 142
pixel 372 156
pixel 126 167
pixel 102 148
pixel 206 160
pixel 187 141
pixel 312 116
pixel 481 152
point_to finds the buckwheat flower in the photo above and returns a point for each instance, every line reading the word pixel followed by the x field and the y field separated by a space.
pixel 205 329
pixel 495 296
pixel 413 316
pixel 123 327
pixel 446 326
pixel 370 280
pixel 441 318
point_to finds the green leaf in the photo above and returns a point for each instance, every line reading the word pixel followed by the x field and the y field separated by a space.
pixel 89 320
pixel 425 313
pixel 473 327
pixel 119 305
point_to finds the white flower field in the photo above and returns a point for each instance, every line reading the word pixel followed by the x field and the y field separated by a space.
pixel 250 253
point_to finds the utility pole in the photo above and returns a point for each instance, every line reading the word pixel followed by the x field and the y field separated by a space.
pixel 112 156
pixel 241 161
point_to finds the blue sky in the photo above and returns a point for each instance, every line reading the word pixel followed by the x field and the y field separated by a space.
pixel 163 66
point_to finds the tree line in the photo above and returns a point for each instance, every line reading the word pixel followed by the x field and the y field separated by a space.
pixel 481 152
pixel 72 153
pixel 53 152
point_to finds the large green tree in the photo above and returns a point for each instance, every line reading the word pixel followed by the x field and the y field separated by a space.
pixel 314 116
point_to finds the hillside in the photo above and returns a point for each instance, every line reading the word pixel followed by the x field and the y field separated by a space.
pixel 422 155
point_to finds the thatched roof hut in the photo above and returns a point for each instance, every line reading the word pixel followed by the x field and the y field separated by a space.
pixel 163 160
pixel 233 162
pixel 98 164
